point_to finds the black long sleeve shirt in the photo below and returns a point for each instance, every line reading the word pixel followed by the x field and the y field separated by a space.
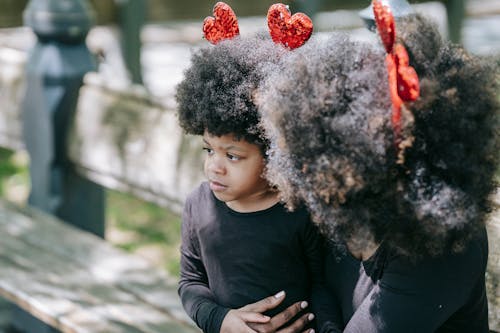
pixel 230 259
pixel 391 294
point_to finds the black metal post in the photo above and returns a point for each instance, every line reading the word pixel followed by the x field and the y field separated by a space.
pixel 131 16
pixel 54 75
pixel 455 11
pixel 55 71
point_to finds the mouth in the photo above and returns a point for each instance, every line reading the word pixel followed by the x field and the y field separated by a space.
pixel 216 186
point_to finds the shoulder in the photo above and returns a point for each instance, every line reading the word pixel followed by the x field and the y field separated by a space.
pixel 200 199
pixel 463 267
pixel 199 194
pixel 301 221
pixel 299 215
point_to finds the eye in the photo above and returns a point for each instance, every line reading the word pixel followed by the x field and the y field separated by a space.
pixel 232 157
pixel 209 151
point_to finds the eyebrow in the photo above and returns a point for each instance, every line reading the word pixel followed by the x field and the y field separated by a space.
pixel 230 147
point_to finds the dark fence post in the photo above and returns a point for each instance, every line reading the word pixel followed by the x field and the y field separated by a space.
pixel 131 16
pixel 55 71
pixel 54 75
pixel 455 11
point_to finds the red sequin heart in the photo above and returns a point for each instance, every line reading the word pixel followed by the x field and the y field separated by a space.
pixel 290 31
pixel 385 24
pixel 392 71
pixel 224 24
pixel 408 84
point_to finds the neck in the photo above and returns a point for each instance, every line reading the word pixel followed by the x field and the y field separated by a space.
pixel 259 201
pixel 362 251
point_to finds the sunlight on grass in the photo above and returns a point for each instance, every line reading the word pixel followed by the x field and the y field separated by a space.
pixel 14 177
pixel 144 228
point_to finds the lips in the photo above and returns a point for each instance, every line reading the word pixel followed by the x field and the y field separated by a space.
pixel 216 186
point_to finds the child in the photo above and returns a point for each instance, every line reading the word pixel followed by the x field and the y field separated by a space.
pixel 239 243
pixel 399 183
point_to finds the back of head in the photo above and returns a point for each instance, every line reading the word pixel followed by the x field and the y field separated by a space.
pixel 217 93
pixel 327 110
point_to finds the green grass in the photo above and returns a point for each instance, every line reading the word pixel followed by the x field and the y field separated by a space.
pixel 145 228
pixel 14 177
pixel 131 224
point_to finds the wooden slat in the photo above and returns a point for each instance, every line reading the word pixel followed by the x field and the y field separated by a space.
pixel 77 282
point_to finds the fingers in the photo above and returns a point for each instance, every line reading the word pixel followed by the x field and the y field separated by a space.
pixel 298 325
pixel 286 315
pixel 253 317
pixel 265 304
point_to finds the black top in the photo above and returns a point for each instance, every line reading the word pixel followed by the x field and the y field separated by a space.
pixel 388 293
pixel 230 259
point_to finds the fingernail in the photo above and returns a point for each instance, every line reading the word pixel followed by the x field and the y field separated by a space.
pixel 311 331
pixel 303 305
pixel 280 294
pixel 310 317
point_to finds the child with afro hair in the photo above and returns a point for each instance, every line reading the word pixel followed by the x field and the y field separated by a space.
pixel 409 247
pixel 239 242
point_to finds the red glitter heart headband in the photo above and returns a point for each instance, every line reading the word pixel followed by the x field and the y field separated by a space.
pixel 224 24
pixel 403 80
pixel 290 31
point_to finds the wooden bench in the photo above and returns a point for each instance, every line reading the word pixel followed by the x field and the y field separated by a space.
pixel 76 282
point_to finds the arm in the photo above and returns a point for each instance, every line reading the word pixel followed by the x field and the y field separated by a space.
pixel 280 323
pixel 194 291
pixel 323 303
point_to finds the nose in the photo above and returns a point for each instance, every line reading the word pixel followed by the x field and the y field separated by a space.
pixel 214 165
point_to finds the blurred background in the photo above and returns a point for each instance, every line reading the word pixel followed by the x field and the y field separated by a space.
pixel 147 43
pixel 139 50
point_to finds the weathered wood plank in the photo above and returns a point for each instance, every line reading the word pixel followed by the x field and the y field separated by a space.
pixel 76 282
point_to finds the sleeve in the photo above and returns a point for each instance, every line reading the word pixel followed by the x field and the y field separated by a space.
pixel 194 291
pixel 422 296
pixel 323 305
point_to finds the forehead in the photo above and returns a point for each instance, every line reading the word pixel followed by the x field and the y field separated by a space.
pixel 229 141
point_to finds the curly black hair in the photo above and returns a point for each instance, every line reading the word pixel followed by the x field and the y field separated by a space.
pixel 218 91
pixel 327 112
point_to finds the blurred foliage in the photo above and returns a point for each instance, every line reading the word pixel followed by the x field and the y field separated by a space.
pixel 132 224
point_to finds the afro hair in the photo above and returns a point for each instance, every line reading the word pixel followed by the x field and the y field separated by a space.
pixel 218 91
pixel 327 112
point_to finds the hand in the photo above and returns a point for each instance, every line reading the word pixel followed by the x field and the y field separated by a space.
pixel 238 321
pixel 249 319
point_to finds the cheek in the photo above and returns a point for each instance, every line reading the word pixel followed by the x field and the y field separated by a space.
pixel 205 165
pixel 256 170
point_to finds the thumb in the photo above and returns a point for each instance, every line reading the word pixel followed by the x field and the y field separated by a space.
pixel 265 304
pixel 254 317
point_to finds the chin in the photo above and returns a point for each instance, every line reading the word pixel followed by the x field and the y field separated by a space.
pixel 221 196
